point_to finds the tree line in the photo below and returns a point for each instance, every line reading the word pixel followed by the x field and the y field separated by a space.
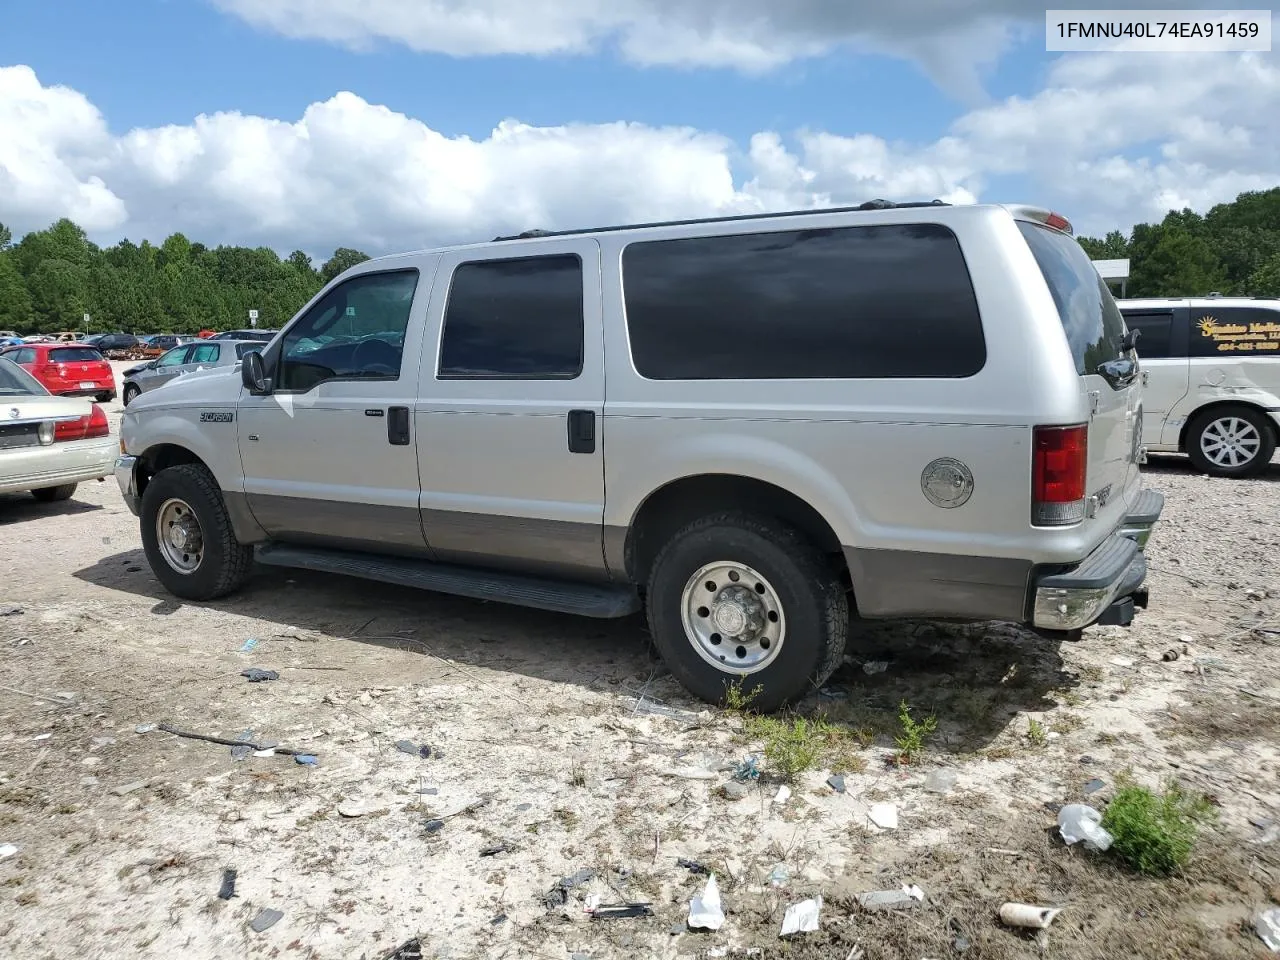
pixel 51 278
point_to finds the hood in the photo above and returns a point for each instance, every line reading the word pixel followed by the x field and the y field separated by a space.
pixel 213 385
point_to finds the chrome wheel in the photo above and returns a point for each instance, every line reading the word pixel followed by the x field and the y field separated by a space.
pixel 1230 442
pixel 733 617
pixel 179 535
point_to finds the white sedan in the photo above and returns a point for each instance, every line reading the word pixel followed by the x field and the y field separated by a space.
pixel 49 444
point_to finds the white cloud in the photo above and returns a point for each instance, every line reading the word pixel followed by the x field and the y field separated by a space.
pixel 1111 139
pixel 953 40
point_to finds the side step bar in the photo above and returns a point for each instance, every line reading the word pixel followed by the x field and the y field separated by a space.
pixel 587 600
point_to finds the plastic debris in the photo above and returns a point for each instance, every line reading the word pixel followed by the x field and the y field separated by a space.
pixel 872 667
pixel 801 917
pixel 413 749
pixel 228 888
pixel 1027 916
pixel 354 808
pixel 249 644
pixel 146 727
pixel 1171 655
pixel 779 875
pixel 8 611
pixel 836 782
pixel 621 911
pixel 269 752
pixel 884 816
pixel 904 899
pixel 433 826
pixel 409 950
pixel 1077 822
pixel 940 781
pixel 8 850
pixel 242 752
pixel 693 866
pixel 749 769
pixel 307 759
pixel 256 675
pixel 1094 785
pixel 558 895
pixel 662 710
pixel 1268 928
pixel 265 920
pixel 704 909
pixel 783 794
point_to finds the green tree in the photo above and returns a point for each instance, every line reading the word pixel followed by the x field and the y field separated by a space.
pixel 1113 246
pixel 1174 262
pixel 344 258
pixel 6 238
pixel 15 302
pixel 58 290
pixel 1265 281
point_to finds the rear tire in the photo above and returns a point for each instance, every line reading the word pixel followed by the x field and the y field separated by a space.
pixel 104 397
pixel 53 494
pixel 776 620
pixel 1231 441
pixel 199 557
pixel 130 394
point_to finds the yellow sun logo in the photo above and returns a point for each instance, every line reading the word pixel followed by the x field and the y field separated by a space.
pixel 1208 326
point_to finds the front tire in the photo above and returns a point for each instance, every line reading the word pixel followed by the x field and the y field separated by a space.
pixel 187 535
pixel 738 598
pixel 1231 441
pixel 130 394
pixel 53 494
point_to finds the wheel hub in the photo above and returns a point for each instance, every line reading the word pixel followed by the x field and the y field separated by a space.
pixel 179 536
pixel 733 617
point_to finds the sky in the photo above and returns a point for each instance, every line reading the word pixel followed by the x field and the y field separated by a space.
pixel 399 124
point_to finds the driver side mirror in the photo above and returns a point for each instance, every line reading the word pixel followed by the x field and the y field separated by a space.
pixel 253 374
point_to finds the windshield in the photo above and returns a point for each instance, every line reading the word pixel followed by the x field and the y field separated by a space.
pixel 1089 315
pixel 16 382
pixel 247 346
pixel 74 355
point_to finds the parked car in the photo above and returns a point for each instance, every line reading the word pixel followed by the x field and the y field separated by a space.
pixel 49 445
pixel 1212 371
pixel 181 360
pixel 257 335
pixel 749 427
pixel 9 335
pixel 11 341
pixel 67 370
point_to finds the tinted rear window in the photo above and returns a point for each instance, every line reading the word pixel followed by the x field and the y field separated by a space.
pixel 74 355
pixel 1088 312
pixel 888 301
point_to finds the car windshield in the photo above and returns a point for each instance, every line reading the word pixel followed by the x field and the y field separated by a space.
pixel 16 382
pixel 247 346
pixel 74 355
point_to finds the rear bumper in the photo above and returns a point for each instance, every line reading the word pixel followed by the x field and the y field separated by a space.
pixel 74 461
pixel 1107 585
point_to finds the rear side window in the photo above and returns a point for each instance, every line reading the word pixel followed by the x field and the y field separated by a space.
pixel 846 303
pixel 204 353
pixel 518 319
pixel 1156 329
pixel 246 346
pixel 1089 315
pixel 74 355
pixel 1242 331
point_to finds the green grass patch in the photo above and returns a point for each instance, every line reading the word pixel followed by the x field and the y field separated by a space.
pixel 1154 833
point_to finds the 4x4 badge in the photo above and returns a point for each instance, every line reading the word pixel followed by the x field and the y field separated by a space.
pixel 947 483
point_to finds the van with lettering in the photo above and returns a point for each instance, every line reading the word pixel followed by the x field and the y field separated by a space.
pixel 1211 367
pixel 751 429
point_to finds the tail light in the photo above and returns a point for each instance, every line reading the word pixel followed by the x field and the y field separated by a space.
pixel 1059 464
pixel 86 428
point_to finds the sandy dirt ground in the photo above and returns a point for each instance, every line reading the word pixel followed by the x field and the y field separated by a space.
pixel 542 764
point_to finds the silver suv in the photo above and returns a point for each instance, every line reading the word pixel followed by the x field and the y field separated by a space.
pixel 752 428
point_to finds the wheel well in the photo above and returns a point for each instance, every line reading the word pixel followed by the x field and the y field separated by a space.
pixel 682 501
pixel 162 457
pixel 1218 405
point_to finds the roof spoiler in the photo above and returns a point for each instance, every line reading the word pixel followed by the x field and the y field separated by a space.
pixel 1040 215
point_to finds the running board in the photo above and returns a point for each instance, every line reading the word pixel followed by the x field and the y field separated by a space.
pixel 587 600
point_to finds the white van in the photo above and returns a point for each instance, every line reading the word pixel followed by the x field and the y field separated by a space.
pixel 1212 372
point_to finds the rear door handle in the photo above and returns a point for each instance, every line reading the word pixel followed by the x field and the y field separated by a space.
pixel 582 431
pixel 398 426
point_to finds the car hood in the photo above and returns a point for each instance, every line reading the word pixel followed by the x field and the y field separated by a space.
pixel 210 385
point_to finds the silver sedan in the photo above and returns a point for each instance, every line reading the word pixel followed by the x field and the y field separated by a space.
pixel 184 359
pixel 49 445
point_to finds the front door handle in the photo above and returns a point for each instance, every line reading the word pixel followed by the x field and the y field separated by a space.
pixel 582 431
pixel 398 426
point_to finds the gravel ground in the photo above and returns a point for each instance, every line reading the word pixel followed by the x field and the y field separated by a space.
pixel 538 748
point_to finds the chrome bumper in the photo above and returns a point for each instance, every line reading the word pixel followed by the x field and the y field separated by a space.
pixel 125 477
pixel 1107 585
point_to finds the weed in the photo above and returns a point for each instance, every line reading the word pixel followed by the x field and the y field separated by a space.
pixel 1154 833
pixel 737 701
pixel 1037 733
pixel 790 746
pixel 1091 673
pixel 578 775
pixel 1107 738
pixel 914 732
pixel 1068 723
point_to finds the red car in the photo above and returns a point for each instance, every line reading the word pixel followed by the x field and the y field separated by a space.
pixel 67 370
